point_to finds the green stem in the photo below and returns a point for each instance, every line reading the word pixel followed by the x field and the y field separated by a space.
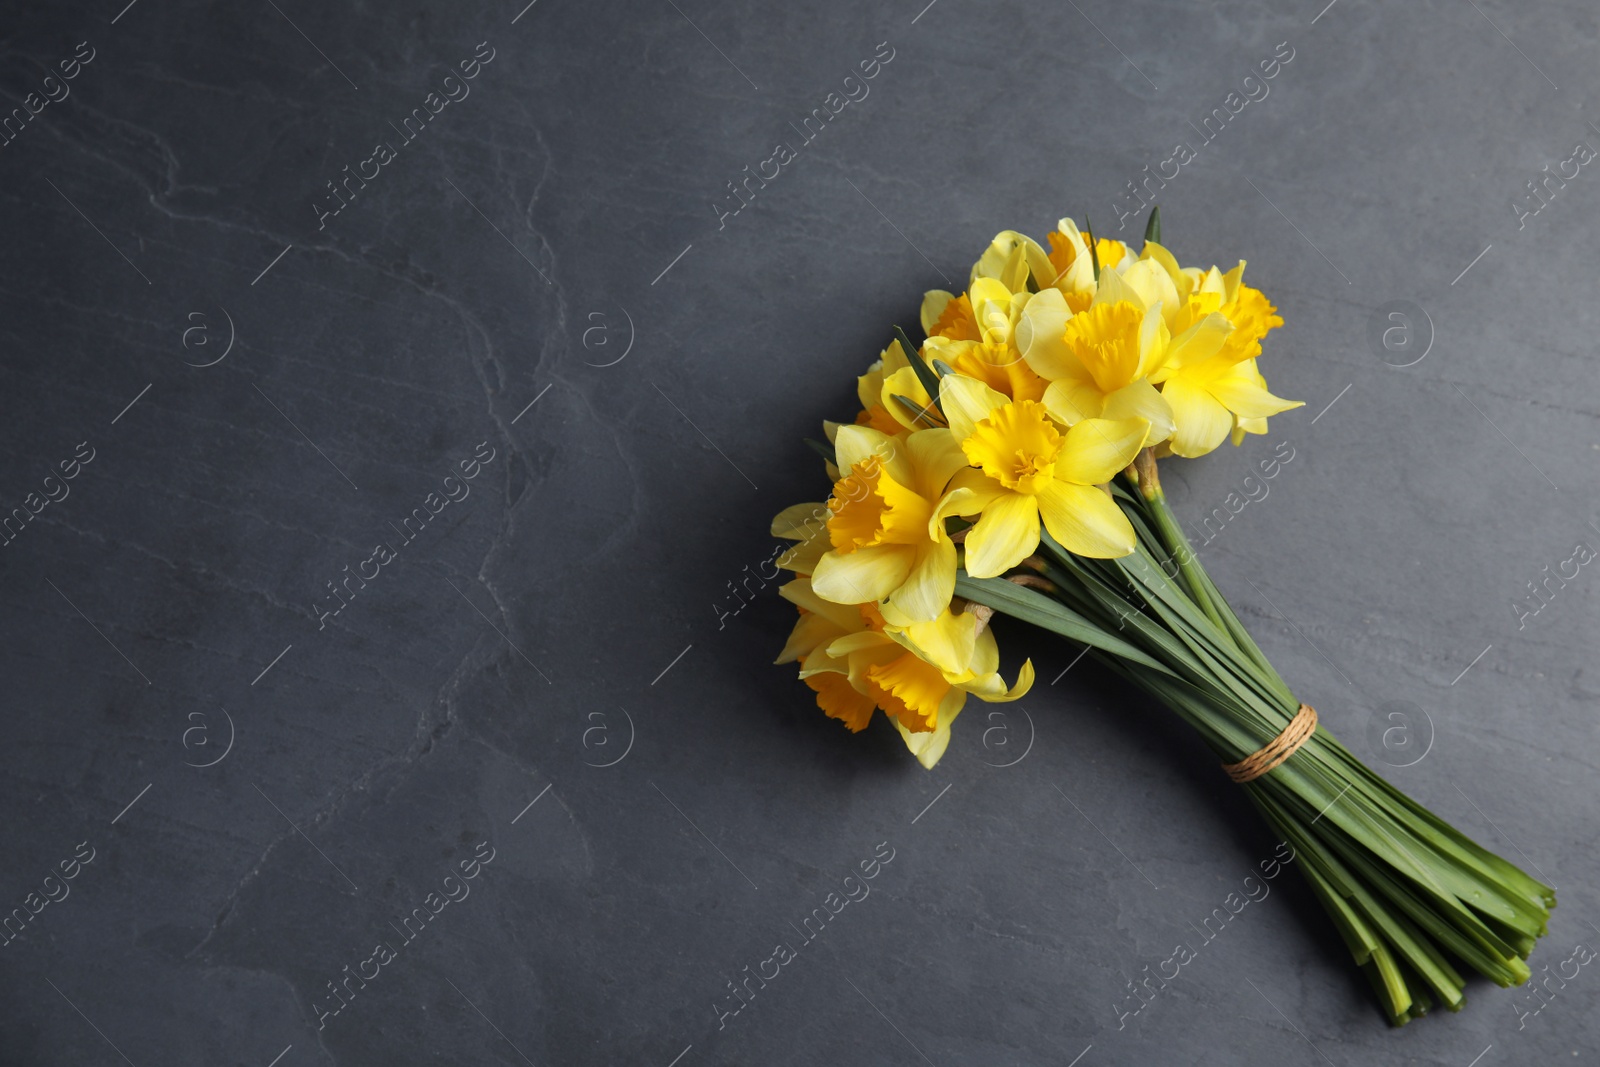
pixel 1186 561
pixel 1173 542
pixel 1411 895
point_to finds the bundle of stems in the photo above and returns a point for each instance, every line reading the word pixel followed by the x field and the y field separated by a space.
pixel 1415 900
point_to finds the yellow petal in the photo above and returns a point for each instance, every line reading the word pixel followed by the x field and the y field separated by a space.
pixel 935 456
pixel 1071 400
pixel 904 382
pixel 999 366
pixel 927 746
pixel 1196 344
pixel 977 490
pixel 821 660
pixel 1212 281
pixel 947 642
pixel 932 582
pixel 934 301
pixel 876 416
pixel 991 688
pixel 854 444
pixel 867 641
pixel 895 357
pixel 803 557
pixel 867 386
pixel 1180 281
pixel 1038 261
pixel 810 632
pixel 845 617
pixel 866 574
pixel 1248 400
pixel 871 508
pixel 861 661
pixel 955 323
pixel 1016 445
pixel 1202 423
pixel 1039 334
pixel 1244 426
pixel 1024 681
pixel 967 402
pixel 1111 343
pixel 1231 282
pixel 1010 257
pixel 1251 313
pixel 1083 519
pixel 800 522
pixel 988 291
pixel 1096 449
pixel 1005 535
pixel 950 706
pixel 985 653
pixel 1112 252
pixel 1154 341
pixel 911 690
pixel 1149 279
pixel 1141 400
pixel 958 501
pixel 1111 289
pixel 839 699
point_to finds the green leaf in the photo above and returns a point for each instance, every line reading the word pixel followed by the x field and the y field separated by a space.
pixel 929 380
pixel 1152 226
pixel 1094 253
pixel 1413 897
pixel 918 412
pixel 1029 605
pixel 823 449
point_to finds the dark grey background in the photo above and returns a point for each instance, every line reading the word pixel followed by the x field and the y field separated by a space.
pixel 520 245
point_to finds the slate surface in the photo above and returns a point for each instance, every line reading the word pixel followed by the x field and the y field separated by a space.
pixel 540 275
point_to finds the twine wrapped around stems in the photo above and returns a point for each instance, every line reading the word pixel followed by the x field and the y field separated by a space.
pixel 1280 748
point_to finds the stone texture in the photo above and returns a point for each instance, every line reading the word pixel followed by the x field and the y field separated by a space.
pixel 551 239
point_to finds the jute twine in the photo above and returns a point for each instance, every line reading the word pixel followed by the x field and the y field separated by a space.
pixel 1280 748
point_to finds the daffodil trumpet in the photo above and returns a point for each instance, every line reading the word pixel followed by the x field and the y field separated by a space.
pixel 1009 465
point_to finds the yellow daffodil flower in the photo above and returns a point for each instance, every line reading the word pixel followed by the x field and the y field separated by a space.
pixel 1103 361
pixel 891 375
pixel 1056 368
pixel 1030 470
pixel 992 359
pixel 821 623
pixel 920 675
pixel 1073 266
pixel 1222 394
pixel 947 315
pixel 1011 259
pixel 1248 309
pixel 1207 397
pixel 1251 313
pixel 1098 362
pixel 886 522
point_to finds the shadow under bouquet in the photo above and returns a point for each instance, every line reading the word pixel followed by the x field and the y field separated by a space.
pixel 1009 463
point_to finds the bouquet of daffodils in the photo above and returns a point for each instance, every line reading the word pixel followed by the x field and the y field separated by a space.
pixel 1008 464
